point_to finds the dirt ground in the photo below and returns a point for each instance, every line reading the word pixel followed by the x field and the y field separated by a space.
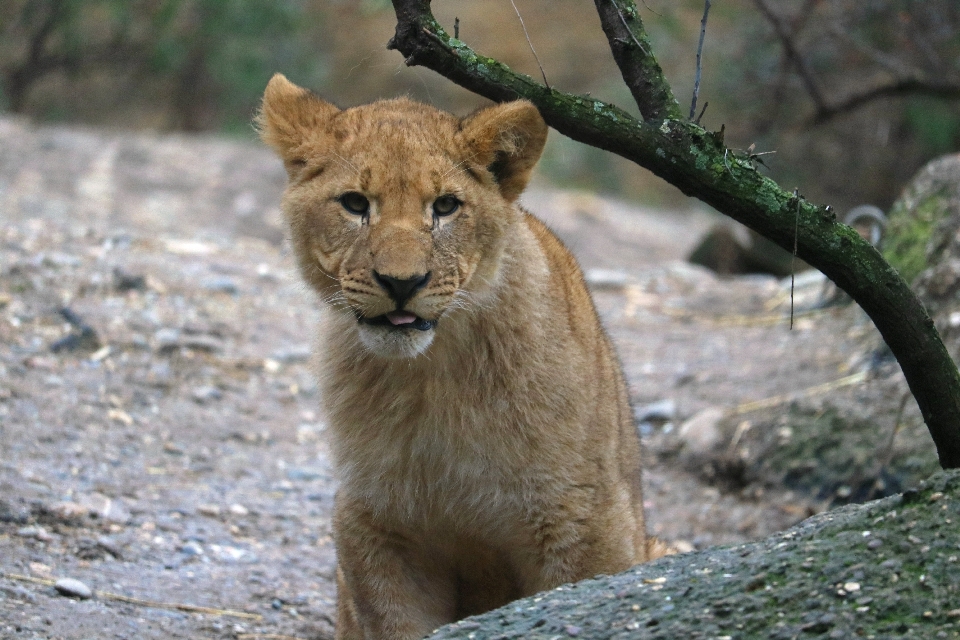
pixel 159 433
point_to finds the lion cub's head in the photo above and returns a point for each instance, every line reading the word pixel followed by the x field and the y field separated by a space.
pixel 399 212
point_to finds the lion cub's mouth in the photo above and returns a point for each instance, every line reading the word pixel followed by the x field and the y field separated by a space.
pixel 400 320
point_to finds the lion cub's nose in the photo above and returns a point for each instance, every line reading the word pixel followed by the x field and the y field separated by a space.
pixel 401 289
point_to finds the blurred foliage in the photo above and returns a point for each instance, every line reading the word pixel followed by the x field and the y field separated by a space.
pixel 202 65
pixel 178 64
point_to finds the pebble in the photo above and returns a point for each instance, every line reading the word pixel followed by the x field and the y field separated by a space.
pixel 701 433
pixel 290 355
pixel 606 278
pixel 660 411
pixel 220 284
pixel 167 339
pixel 38 533
pixel 73 589
pixel 304 473
pixel 206 393
pixel 123 281
pixel 191 549
pixel 18 593
pixel 205 343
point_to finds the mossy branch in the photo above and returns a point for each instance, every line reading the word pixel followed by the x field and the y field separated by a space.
pixel 699 164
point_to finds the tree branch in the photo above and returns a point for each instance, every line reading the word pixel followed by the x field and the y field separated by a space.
pixel 640 70
pixel 908 82
pixel 900 87
pixel 793 54
pixel 697 162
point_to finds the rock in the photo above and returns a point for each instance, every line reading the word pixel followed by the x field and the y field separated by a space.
pixel 786 586
pixel 305 474
pixel 289 355
pixel 73 589
pixel 166 340
pixel 205 343
pixel 660 411
pixel 35 532
pixel 13 513
pixel 123 281
pixel 16 592
pixel 732 249
pixel 605 278
pixel 922 223
pixel 105 508
pixel 206 393
pixel 701 434
pixel 220 284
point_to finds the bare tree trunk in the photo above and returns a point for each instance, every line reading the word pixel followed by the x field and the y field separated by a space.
pixel 699 164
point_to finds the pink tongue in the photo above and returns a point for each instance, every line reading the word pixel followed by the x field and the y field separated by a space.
pixel 401 317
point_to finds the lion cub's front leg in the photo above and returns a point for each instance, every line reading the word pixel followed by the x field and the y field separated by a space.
pixel 387 587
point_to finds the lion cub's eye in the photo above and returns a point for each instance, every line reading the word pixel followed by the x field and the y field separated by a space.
pixel 445 205
pixel 355 203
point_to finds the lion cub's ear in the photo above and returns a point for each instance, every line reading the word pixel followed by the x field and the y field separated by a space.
pixel 291 116
pixel 508 139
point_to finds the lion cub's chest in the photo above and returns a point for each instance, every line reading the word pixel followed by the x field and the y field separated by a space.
pixel 436 439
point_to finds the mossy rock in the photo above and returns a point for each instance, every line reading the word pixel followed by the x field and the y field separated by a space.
pixel 885 569
pixel 831 455
pixel 923 223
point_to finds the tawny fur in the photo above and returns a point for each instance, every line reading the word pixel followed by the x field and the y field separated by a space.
pixel 494 455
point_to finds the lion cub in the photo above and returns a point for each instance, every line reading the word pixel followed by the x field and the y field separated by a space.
pixel 479 418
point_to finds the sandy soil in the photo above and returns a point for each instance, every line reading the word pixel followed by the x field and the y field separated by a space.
pixel 160 443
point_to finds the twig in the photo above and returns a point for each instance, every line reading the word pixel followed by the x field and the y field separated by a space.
pixel 702 111
pixel 527 35
pixel 793 258
pixel 456 28
pixel 775 401
pixel 627 27
pixel 696 82
pixel 793 53
pixel 438 40
pixel 106 595
pixel 887 455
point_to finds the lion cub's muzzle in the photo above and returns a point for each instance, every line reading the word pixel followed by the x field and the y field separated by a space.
pixel 400 291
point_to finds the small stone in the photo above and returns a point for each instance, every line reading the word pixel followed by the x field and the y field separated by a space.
pixel 191 548
pixel 37 533
pixel 220 284
pixel 605 278
pixel 73 589
pixel 290 355
pixel 207 393
pixel 851 587
pixel 660 411
pixel 304 474
pixel 205 343
pixel 239 510
pixel 16 592
pixel 572 630
pixel 876 543
pixel 701 433
pixel 123 281
pixel 167 340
